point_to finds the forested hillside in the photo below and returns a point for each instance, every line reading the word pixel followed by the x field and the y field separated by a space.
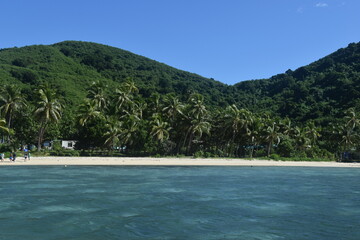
pixel 321 90
pixel 110 100
pixel 72 66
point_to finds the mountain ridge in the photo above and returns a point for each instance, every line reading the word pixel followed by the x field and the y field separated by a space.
pixel 324 87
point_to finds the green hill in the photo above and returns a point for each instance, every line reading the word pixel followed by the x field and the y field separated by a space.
pixel 321 90
pixel 220 121
pixel 72 66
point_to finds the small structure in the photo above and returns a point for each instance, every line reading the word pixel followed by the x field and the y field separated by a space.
pixel 65 144
pixel 68 144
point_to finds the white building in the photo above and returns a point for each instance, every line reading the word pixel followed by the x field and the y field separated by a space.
pixel 68 144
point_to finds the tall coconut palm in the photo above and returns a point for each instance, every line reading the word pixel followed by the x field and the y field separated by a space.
pixel 11 100
pixel 172 108
pixel 301 138
pixel 198 109
pixel 195 130
pixel 88 111
pixel 48 110
pixel 232 121
pixel 272 135
pixel 254 133
pixel 96 94
pixel 154 103
pixel 352 120
pixel 348 137
pixel 112 136
pixel 236 122
pixel 160 130
pixel 122 100
pixel 130 129
pixel 312 132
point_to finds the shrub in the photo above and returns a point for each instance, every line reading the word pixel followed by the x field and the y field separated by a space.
pixel 65 152
pixel 5 148
pixel 199 154
pixel 275 156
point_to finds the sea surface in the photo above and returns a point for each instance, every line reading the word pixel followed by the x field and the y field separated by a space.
pixel 100 202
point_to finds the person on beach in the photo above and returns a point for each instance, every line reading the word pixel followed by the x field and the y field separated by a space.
pixel 2 156
pixel 11 157
pixel 14 156
pixel 25 154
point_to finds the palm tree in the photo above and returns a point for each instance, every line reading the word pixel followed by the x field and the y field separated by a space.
pixel 301 138
pixel 160 129
pixel 173 108
pixel 352 120
pixel 312 132
pixel 154 103
pixel 253 132
pixel 232 121
pixel 346 132
pixel 11 101
pixel 3 127
pixel 195 130
pixel 122 99
pixel 272 135
pixel 88 111
pixel 130 87
pixel 198 109
pixel 97 96
pixel 286 126
pixel 130 128
pixel 48 110
pixel 236 122
pixel 112 136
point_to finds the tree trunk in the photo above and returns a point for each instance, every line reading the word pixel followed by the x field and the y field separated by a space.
pixel 41 135
pixel 189 143
pixel 39 140
pixel 269 149
pixel 9 125
pixel 252 151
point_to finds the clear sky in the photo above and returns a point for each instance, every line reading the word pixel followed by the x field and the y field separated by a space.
pixel 228 40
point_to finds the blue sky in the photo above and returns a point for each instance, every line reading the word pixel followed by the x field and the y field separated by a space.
pixel 228 40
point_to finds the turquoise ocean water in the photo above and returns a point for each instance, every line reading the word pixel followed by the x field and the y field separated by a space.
pixel 179 203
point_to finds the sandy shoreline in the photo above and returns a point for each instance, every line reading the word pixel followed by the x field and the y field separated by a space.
pixel 129 161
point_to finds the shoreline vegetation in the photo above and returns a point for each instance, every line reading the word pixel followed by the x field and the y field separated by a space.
pixel 152 161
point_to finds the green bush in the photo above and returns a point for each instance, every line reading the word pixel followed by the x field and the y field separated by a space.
pixel 286 148
pixel 274 156
pixel 65 153
pixel 5 148
pixel 260 153
pixel 199 154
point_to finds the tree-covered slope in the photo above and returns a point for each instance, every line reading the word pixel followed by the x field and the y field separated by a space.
pixel 321 90
pixel 72 66
pixel 81 91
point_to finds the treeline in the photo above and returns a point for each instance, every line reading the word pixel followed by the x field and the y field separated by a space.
pixel 125 122
pixel 320 91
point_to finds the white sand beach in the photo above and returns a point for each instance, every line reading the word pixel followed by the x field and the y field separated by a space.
pixel 148 161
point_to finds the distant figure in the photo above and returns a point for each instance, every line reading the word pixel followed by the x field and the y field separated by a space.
pixel 29 156
pixel 2 156
pixel 26 154
pixel 11 157
pixel 14 156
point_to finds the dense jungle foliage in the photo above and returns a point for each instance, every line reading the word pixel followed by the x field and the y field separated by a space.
pixel 110 99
